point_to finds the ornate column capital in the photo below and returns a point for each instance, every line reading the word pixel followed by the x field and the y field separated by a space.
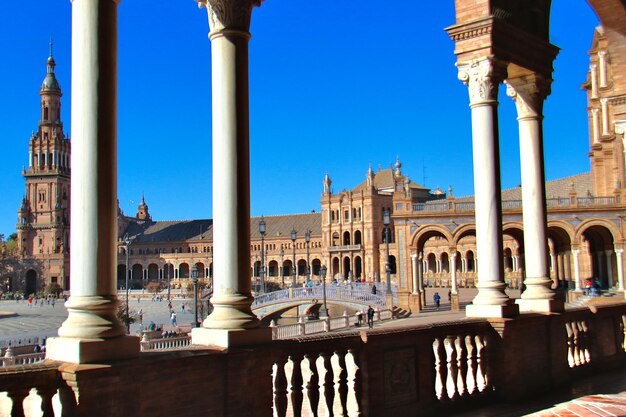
pixel 483 77
pixel 225 15
pixel 529 93
pixel 620 127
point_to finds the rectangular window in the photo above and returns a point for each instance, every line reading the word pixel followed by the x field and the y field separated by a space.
pixel 346 215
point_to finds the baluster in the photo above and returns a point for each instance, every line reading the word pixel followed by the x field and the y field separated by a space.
pixel 341 384
pixel 585 341
pixel 461 365
pixel 327 394
pixel 570 345
pixel 472 366
pixel 575 341
pixel 46 395
pixel 354 385
pixel 440 371
pixel 311 384
pixel 295 384
pixel 280 389
pixel 17 398
pixel 481 378
pixel 452 367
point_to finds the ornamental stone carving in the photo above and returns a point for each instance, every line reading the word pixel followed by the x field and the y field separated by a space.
pixel 483 78
pixel 529 94
pixel 229 14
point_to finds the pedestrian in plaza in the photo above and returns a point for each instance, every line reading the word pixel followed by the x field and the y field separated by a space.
pixel 140 315
pixel 30 301
pixel 374 289
pixel 182 308
pixel 437 299
pixel 173 318
pixel 52 302
pixel 450 296
pixel 370 316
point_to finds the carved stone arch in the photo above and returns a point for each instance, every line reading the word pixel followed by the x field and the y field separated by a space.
pixel 585 225
pixel 422 234
pixel 463 231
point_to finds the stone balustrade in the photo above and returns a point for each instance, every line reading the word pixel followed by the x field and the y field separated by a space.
pixel 551 203
pixel 422 370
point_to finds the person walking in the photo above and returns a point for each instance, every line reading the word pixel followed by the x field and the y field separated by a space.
pixel 173 319
pixel 370 316
pixel 437 299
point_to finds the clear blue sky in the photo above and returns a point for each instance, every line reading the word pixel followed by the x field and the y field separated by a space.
pixel 334 85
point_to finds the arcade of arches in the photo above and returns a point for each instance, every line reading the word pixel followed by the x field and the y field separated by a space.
pixel 434 238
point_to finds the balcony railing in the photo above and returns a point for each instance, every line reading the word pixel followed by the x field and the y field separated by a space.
pixel 344 248
pixel 435 369
pixel 560 202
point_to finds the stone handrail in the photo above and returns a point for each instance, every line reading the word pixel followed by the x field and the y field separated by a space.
pixel 557 202
pixel 434 369
pixel 324 325
pixel 343 247
pixel 167 343
pixel 360 293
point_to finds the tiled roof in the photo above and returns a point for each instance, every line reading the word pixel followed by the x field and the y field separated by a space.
pixel 554 189
pixel 194 230
pixel 384 179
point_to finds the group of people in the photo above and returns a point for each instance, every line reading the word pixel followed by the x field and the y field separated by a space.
pixel 48 300
pixel 370 317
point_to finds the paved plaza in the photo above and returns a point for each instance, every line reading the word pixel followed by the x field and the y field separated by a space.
pixel 18 320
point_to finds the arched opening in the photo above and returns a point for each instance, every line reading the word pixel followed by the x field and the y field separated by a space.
pixel 335 268
pixel 445 263
pixel 301 267
pixel 601 263
pixel 508 260
pixel 392 265
pixel 346 268
pixel 121 276
pixel 136 277
pixel 346 238
pixel 183 270
pixel 153 273
pixel 288 268
pixel 470 261
pixel 431 263
pixel 201 270
pixel 316 265
pixel 357 237
pixel 358 268
pixel 31 282
pixel 272 269
pixel 256 269
pixel 335 239
pixel 560 245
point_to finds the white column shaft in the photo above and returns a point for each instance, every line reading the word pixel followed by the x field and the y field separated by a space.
pixel 620 268
pixel 453 272
pixel 595 125
pixel 593 69
pixel 414 268
pixel 602 68
pixel 604 106
pixel 575 252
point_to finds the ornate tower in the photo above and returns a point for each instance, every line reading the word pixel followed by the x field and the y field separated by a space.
pixel 43 217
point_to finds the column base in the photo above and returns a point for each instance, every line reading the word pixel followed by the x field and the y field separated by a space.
pixel 91 351
pixel 540 306
pixel 226 338
pixel 415 303
pixel 492 311
pixel 455 304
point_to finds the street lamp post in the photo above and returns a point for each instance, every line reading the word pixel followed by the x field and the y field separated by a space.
pixel 294 235
pixel 127 242
pixel 282 267
pixel 194 279
pixel 324 309
pixel 386 222
pixel 307 239
pixel 167 278
pixel 262 232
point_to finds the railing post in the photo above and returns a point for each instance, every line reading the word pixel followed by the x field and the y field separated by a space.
pixel 301 327
pixel 9 357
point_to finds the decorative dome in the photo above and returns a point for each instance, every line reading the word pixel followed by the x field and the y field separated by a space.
pixel 50 83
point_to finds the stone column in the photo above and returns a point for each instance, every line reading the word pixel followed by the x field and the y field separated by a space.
pixel 483 78
pixel 414 273
pixel 595 125
pixel 529 93
pixel 604 106
pixel 92 333
pixel 594 80
pixel 602 68
pixel 620 130
pixel 454 296
pixel 609 268
pixel 620 268
pixel 420 278
pixel 232 321
pixel 575 253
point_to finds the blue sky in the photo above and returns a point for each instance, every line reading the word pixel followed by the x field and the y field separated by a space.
pixel 333 87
